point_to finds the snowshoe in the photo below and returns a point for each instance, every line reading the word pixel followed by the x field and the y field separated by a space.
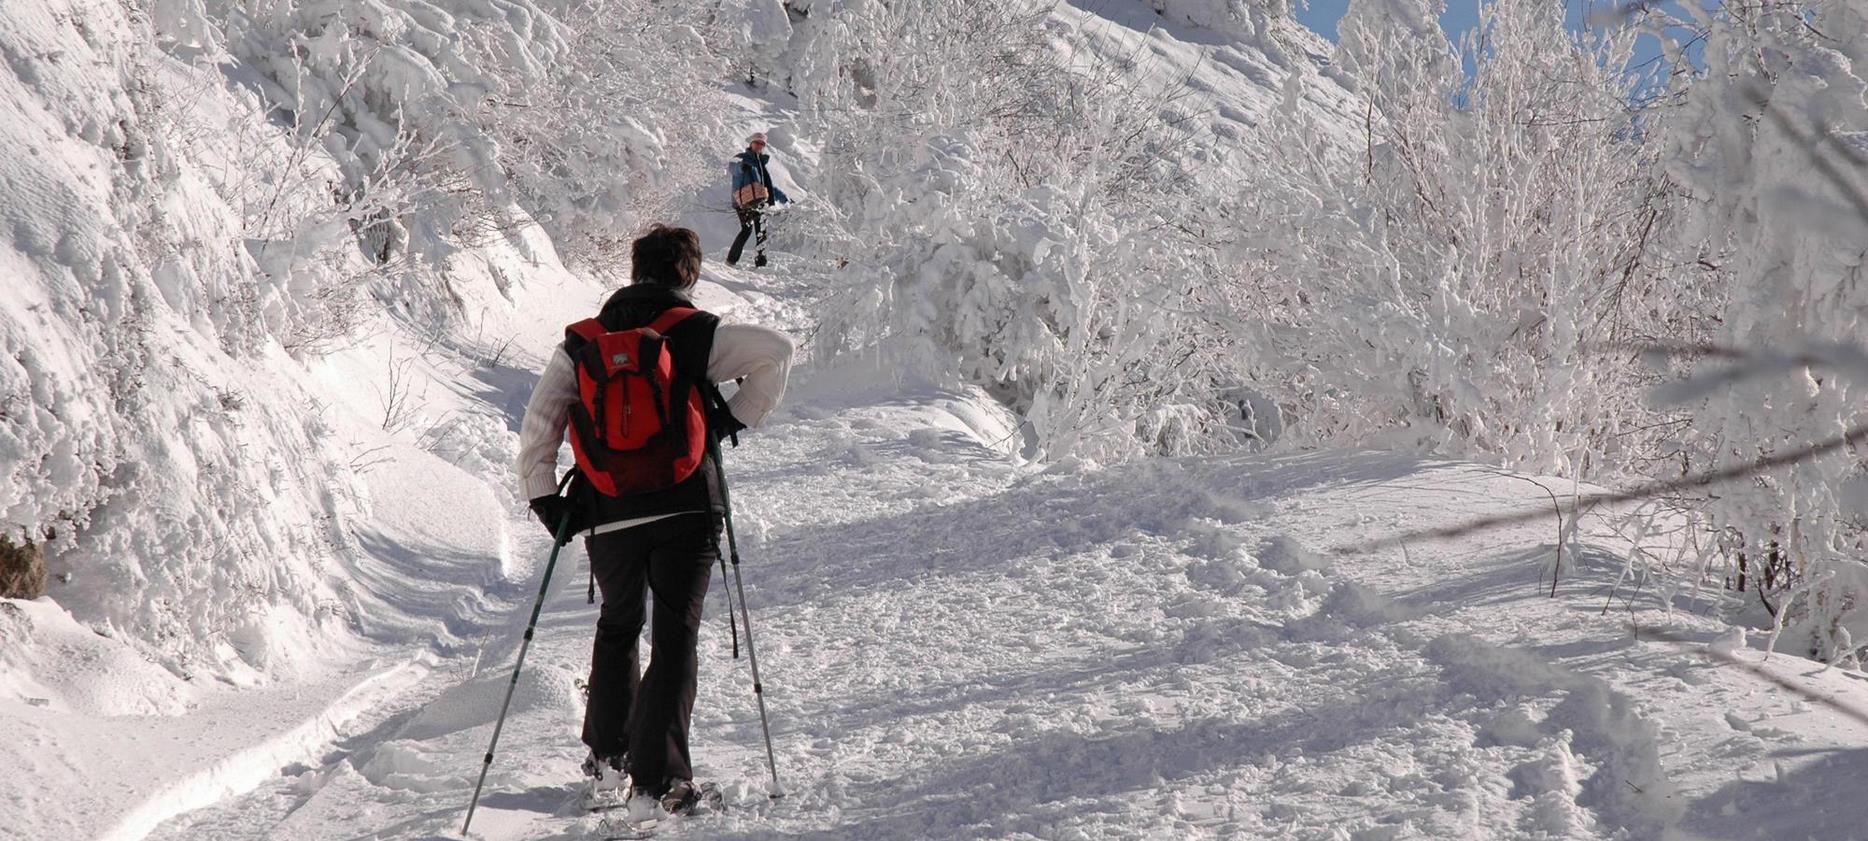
pixel 606 784
pixel 638 821
pixel 685 798
pixel 623 829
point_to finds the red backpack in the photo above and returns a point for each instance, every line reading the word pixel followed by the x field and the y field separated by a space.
pixel 638 426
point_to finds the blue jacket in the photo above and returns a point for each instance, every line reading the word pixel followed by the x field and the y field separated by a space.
pixel 748 169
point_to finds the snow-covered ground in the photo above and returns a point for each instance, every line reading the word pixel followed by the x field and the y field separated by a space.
pixel 957 646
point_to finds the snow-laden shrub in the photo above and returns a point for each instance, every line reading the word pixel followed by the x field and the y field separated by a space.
pixel 420 127
pixel 1008 220
pixel 1470 277
pixel 615 129
pixel 206 195
pixel 756 35
pixel 1771 140
pixel 1482 277
pixel 148 429
pixel 379 174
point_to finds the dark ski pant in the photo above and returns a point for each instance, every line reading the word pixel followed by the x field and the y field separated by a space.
pixel 647 716
pixel 751 219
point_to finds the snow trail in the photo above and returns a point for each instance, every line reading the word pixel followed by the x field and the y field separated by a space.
pixel 956 646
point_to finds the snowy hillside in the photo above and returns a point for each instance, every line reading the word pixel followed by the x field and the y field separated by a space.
pixel 1026 553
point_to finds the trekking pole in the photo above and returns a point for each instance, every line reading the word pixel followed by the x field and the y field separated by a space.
pixel 752 654
pixel 718 404
pixel 726 588
pixel 564 525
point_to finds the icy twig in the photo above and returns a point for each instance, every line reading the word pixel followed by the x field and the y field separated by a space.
pixel 1854 435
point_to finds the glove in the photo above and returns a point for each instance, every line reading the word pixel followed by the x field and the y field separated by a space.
pixel 551 511
pixel 720 419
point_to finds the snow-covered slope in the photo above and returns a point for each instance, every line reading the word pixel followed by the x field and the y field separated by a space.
pixel 1228 71
pixel 142 399
pixel 295 583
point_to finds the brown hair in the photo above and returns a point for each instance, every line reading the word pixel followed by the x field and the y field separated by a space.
pixel 665 255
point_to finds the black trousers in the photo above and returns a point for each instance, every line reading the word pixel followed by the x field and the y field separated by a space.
pixel 750 219
pixel 646 715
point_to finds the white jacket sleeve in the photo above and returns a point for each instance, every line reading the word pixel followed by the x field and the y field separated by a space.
pixel 542 431
pixel 759 354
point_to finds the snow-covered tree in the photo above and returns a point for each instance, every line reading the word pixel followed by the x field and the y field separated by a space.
pixel 1009 220
pixel 1771 141
pixel 1470 277
pixel 609 131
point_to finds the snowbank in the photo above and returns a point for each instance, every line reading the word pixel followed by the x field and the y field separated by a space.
pixel 154 436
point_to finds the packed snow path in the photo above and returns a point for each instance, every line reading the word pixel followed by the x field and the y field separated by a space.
pixel 957 647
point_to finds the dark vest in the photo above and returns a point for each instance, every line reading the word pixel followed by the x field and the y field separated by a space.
pixel 691 345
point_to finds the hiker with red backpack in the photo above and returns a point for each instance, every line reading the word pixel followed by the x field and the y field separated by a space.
pixel 635 389
pixel 753 194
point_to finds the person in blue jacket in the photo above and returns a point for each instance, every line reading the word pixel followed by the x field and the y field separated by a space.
pixel 753 192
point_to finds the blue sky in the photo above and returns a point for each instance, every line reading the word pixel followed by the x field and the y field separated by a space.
pixel 1322 15
pixel 1461 15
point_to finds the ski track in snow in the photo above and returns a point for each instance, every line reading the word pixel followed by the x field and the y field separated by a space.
pixel 956 647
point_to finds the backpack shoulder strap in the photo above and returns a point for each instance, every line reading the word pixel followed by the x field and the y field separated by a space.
pixel 588 330
pixel 579 336
pixel 672 317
